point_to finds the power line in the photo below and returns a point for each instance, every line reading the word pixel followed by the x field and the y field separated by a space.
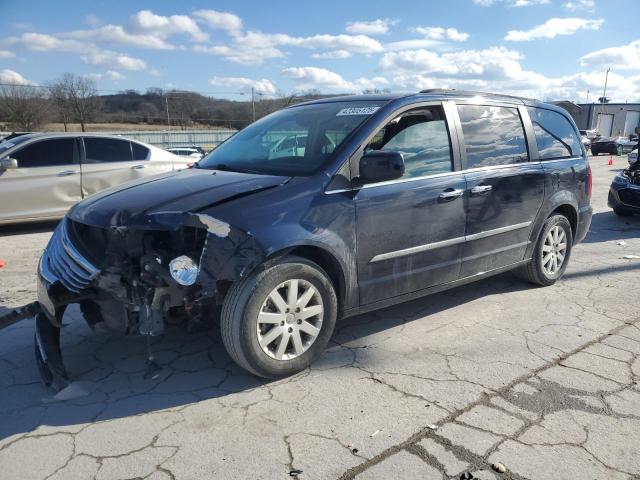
pixel 124 91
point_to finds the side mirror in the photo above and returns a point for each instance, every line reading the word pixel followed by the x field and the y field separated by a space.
pixel 379 166
pixel 7 163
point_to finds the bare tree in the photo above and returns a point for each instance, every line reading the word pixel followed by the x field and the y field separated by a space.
pixel 61 103
pixel 23 107
pixel 77 95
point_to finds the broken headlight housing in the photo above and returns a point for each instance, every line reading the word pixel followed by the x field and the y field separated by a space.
pixel 184 270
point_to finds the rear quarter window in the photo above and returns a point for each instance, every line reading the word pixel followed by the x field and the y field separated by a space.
pixel 555 136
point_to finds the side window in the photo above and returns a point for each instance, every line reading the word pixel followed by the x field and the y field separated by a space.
pixel 492 135
pixel 99 150
pixel 422 137
pixel 139 152
pixel 555 135
pixel 47 153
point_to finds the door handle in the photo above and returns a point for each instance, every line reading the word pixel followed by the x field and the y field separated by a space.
pixel 138 167
pixel 451 194
pixel 66 173
pixel 481 189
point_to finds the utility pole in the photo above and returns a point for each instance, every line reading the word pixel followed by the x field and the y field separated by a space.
pixel 166 103
pixel 606 79
pixel 604 97
pixel 588 91
pixel 253 104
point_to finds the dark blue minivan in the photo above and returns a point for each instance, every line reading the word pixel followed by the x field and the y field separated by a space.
pixel 321 211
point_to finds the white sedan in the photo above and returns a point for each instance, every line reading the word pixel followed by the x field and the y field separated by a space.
pixel 42 175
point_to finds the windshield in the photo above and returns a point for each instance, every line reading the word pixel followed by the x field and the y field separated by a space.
pixel 12 142
pixel 294 141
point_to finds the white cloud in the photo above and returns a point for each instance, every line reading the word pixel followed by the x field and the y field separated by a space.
pixel 497 69
pixel 116 34
pixel 6 54
pixel 323 79
pixel 108 75
pixel 245 55
pixel 553 28
pixel 332 55
pixel 497 63
pixel 255 47
pixel 588 5
pixel 145 21
pixel 220 20
pixel 113 59
pixel 374 27
pixel 264 86
pixel 41 42
pixel 440 33
pixel 13 77
pixel 625 57
pixel 511 3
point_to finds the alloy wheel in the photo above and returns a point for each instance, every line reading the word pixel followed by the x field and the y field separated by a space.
pixel 290 319
pixel 554 250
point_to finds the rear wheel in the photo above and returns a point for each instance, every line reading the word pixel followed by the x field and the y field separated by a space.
pixel 279 320
pixel 551 253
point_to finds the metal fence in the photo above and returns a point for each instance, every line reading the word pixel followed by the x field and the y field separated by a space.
pixel 207 139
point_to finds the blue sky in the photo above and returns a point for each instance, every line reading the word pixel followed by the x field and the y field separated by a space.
pixel 547 49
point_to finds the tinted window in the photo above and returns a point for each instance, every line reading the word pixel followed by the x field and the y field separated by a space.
pixel 422 138
pixel 492 135
pixel 555 135
pixel 47 153
pixel 139 152
pixel 100 150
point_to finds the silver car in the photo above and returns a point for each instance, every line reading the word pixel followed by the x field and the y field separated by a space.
pixel 43 174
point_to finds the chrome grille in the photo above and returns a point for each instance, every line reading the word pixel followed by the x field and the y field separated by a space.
pixel 62 262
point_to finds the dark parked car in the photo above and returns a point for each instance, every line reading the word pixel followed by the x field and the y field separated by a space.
pixel 624 193
pixel 415 194
pixel 613 146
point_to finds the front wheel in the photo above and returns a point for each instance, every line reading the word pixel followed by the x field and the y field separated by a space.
pixel 551 253
pixel 278 320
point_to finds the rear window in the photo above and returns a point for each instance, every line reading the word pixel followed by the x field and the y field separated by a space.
pixel 47 153
pixel 492 135
pixel 555 136
pixel 99 150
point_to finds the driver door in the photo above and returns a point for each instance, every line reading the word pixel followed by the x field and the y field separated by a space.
pixel 410 231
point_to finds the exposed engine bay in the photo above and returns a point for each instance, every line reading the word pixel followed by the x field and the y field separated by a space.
pixel 136 280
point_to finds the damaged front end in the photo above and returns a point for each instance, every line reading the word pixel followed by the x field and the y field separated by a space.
pixel 168 267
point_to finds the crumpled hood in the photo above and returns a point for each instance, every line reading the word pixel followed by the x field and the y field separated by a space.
pixel 180 192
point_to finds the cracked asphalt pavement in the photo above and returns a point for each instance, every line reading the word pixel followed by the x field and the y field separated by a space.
pixel 543 381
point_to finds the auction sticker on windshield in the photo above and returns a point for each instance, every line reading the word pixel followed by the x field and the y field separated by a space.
pixel 358 111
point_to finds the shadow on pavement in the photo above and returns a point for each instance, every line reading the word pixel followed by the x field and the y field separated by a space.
pixel 108 369
pixel 607 227
pixel 27 228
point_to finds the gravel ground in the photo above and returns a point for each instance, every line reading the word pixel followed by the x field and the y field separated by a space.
pixel 541 382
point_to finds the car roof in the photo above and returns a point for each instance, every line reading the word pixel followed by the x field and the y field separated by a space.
pixel 74 134
pixel 432 94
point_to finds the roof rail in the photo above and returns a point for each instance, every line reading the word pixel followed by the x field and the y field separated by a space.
pixel 438 90
pixel 453 91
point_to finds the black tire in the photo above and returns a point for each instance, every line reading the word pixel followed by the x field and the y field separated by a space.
pixel 91 313
pixel 622 212
pixel 244 301
pixel 534 272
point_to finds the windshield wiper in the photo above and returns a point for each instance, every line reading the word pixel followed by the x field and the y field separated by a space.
pixel 227 168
